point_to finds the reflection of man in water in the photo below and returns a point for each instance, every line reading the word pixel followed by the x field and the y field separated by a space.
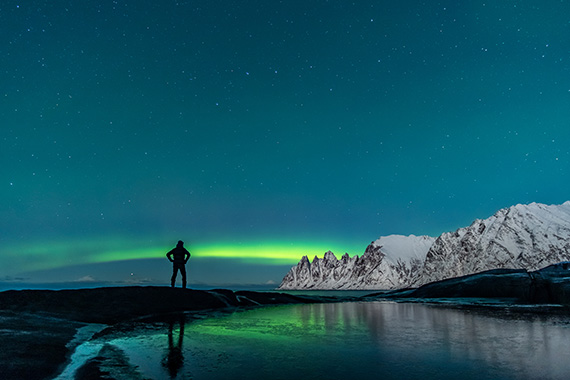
pixel 179 257
pixel 174 359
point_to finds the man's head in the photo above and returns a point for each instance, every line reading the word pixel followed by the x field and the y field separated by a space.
pixel 180 243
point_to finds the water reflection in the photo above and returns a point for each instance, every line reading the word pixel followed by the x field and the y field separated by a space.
pixel 174 359
pixel 365 340
pixel 521 347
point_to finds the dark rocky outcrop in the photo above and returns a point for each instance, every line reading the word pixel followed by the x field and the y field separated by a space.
pixel 117 304
pixel 550 285
pixel 33 347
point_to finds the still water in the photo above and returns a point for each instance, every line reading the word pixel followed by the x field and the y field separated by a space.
pixel 367 340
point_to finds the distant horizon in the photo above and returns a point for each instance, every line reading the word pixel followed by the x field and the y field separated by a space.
pixel 71 285
pixel 140 271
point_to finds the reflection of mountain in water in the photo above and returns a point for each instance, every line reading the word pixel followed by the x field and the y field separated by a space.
pixel 527 346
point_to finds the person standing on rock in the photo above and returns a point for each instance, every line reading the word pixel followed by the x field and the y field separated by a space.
pixel 178 256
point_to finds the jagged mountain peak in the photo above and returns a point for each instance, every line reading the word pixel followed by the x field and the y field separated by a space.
pixel 329 256
pixel 389 260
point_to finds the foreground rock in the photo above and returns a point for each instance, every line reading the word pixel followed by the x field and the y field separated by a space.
pixel 113 305
pixel 33 347
pixel 39 326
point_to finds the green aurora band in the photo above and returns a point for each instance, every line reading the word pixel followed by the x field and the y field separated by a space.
pixel 58 254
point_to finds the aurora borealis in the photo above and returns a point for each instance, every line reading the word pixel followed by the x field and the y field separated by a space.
pixel 266 130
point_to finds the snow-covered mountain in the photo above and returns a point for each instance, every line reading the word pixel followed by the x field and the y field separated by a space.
pixel 522 237
pixel 387 263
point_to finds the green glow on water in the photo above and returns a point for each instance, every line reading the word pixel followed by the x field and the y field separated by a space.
pixel 271 324
pixel 283 323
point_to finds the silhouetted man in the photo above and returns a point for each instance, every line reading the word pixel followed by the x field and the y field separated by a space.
pixel 179 257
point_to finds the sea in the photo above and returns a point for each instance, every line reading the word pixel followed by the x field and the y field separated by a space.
pixel 344 340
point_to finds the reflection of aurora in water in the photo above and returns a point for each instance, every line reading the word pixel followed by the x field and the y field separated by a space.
pixel 360 340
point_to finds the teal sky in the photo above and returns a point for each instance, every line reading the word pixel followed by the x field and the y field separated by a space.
pixel 127 125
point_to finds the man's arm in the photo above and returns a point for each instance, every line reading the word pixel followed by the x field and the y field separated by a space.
pixel 186 256
pixel 168 256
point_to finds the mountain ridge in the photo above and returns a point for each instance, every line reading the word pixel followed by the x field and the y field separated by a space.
pixel 522 236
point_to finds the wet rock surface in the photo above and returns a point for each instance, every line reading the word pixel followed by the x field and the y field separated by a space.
pixel 113 305
pixel 33 347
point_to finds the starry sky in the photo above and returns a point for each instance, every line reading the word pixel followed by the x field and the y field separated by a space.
pixel 260 131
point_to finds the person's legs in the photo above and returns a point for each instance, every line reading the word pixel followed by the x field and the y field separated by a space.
pixel 174 273
pixel 183 273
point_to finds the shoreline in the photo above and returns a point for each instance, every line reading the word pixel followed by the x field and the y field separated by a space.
pixel 42 328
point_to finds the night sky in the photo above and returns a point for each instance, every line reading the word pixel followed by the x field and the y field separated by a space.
pixel 267 130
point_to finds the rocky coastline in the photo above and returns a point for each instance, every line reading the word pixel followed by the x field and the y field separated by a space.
pixel 500 287
pixel 40 327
